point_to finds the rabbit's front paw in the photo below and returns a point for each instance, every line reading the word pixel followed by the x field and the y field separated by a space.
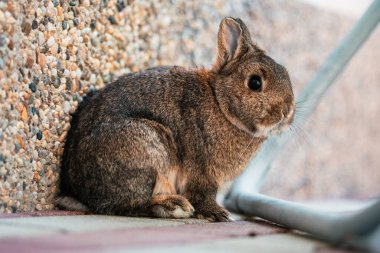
pixel 171 206
pixel 212 213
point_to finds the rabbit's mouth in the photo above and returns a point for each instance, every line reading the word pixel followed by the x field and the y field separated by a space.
pixel 264 131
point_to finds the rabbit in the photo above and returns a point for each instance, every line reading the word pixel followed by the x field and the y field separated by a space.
pixel 160 142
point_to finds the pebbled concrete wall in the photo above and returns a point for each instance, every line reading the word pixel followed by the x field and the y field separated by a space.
pixel 54 51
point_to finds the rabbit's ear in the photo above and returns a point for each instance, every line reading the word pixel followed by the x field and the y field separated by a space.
pixel 234 41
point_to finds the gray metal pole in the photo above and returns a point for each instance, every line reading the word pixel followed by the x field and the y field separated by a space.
pixel 361 229
pixel 333 227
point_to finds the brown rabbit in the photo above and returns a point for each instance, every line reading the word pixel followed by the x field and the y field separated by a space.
pixel 162 141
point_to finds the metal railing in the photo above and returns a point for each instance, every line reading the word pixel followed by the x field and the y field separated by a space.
pixel 360 229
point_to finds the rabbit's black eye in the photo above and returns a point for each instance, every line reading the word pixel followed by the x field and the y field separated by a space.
pixel 254 83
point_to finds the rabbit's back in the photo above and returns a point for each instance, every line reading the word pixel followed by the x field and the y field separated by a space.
pixel 163 94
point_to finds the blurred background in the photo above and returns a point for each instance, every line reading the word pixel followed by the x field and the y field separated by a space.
pixel 54 51
pixel 335 154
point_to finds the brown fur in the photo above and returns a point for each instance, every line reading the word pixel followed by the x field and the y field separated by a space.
pixel 162 141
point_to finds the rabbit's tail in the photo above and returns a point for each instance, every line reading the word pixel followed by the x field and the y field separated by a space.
pixel 70 203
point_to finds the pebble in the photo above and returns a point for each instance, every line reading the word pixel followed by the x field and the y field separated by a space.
pixel 30 99
pixel 20 106
pixel 26 27
pixel 44 48
pixel 54 49
pixel 66 107
pixel 24 114
pixel 72 3
pixel 41 60
pixel 3 40
pixel 51 41
pixel 35 119
pixel 67 54
pixel 45 21
pixel 41 38
pixel 34 111
pixel 50 27
pixel 57 82
pixel 92 79
pixel 93 24
pixel 120 5
pixel 39 135
pixel 3 171
pixel 76 21
pixel 65 25
pixel 112 20
pixel 33 87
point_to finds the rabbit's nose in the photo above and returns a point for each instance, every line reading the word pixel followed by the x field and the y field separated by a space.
pixel 288 111
pixel 291 114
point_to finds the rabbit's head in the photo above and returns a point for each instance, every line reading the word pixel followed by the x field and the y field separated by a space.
pixel 253 91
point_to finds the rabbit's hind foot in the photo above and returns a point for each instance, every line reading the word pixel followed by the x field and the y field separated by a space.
pixel 171 206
